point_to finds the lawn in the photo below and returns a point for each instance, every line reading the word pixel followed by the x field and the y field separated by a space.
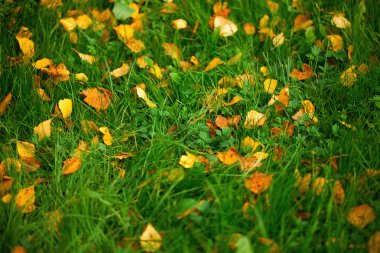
pixel 189 126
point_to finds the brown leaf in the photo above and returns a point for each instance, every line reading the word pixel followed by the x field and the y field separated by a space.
pixel 71 165
pixel 250 163
pixel 57 73
pixel 360 216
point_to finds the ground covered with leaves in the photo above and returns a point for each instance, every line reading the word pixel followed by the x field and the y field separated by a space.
pixel 189 126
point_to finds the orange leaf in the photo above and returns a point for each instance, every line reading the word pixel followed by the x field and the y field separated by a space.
pixel 339 194
pixel 57 73
pixel 4 104
pixel 336 42
pixel 360 216
pixel 302 22
pixel 233 101
pixel 308 72
pixel 221 121
pixel 258 182
pixel 83 21
pixel 135 45
pixel 25 149
pixel 374 243
pixel 213 63
pixel 172 51
pixel 249 29
pixel 25 199
pixel 71 165
pixel 100 100
pixel 229 157
pixel 250 163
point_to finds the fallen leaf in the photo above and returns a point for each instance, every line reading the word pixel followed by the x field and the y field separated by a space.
pixel 213 63
pixel 273 246
pixel 57 73
pixel 135 45
pixel 194 60
pixel 81 149
pixel 306 74
pixel 73 37
pixel 53 220
pixel 42 94
pixel 18 249
pixel 229 157
pixel 258 182
pixel 278 40
pixel 42 63
pixel 248 141
pixel 43 129
pixel 360 216
pixel 233 101
pixel 86 57
pixel 188 160
pixel 226 26
pixel 10 164
pixel 89 126
pixel 81 77
pixel 235 59
pixel 71 165
pixel 339 194
pixel 350 50
pixel 123 155
pixel 261 155
pixel 270 85
pixel 254 119
pixel 68 23
pixel 83 21
pixel 142 94
pixel 221 121
pixel 122 71
pixel 150 239
pixel 25 149
pixel 5 184
pixel 302 183
pixel 169 8
pixel 179 24
pixel 318 185
pixel 50 4
pixel 66 107
pixel 249 29
pixel 98 98
pixel 264 70
pixel 25 199
pixel 340 21
pixel 302 22
pixel 6 198
pixel 249 163
pixel 124 32
pixel 172 51
pixel 156 70
pixel 4 104
pixel 374 243
pixel 336 42
pixel 107 137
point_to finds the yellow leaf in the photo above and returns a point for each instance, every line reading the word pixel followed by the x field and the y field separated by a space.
pixel 124 32
pixel 81 77
pixel 254 119
pixel 188 160
pixel 122 71
pixel 68 24
pixel 179 24
pixel 349 77
pixel 42 63
pixel 25 149
pixel 43 129
pixel 83 21
pixel 233 101
pixel 135 45
pixel 235 59
pixel 302 22
pixel 150 239
pixel 25 199
pixel 57 73
pixel 340 21
pixel 229 157
pixel 86 57
pixel 50 4
pixel 270 85
pixel 4 104
pixel 263 23
pixel 318 185
pixel 213 63
pixel 336 42
pixel 261 155
pixel 53 220
pixel 273 6
pixel 71 165
pixel 89 126
pixel 172 50
pixel 248 141
pixel 302 183
pixel 66 107
pixel 10 164
pixel 278 40
pixel 73 37
pixel 258 182
pixel 6 198
pixel 27 47
pixel 264 70
pixel 374 243
pixel 42 94
pixel 194 60
pixel 360 216
pixel 226 26
pixel 142 94
pixel 107 137
pixel 156 70
pixel 123 155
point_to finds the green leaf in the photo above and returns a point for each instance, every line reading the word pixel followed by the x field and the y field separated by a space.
pixel 121 9
pixel 243 245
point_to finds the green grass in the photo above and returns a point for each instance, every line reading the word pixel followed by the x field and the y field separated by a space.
pixel 102 212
